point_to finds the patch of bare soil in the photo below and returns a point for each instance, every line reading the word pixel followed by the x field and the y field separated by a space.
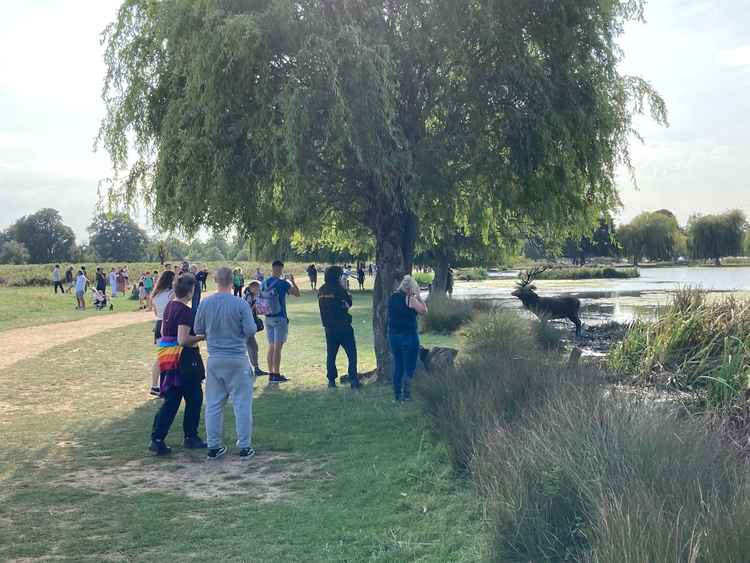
pixel 23 343
pixel 265 478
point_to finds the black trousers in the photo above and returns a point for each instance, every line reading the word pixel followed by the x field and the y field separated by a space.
pixel 192 392
pixel 60 285
pixel 344 338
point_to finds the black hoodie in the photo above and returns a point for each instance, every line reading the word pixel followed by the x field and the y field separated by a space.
pixel 334 301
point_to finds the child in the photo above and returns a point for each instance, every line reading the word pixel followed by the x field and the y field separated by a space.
pixel 142 295
pixel 252 292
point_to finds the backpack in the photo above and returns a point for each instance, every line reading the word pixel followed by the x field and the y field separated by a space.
pixel 269 302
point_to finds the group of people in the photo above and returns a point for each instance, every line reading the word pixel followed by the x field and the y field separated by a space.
pixel 229 323
pixel 346 274
pixel 67 282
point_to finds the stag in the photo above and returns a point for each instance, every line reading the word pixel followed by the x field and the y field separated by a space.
pixel 565 307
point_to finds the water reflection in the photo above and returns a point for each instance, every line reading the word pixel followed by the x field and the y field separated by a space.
pixel 617 300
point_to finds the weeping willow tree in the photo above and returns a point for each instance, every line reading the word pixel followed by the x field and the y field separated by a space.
pixel 252 113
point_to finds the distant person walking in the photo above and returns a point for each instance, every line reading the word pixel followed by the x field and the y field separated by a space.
pixel 403 307
pixel 57 279
pixel 238 282
pixel 272 304
pixel 69 279
pixel 148 285
pixel 361 276
pixel 334 303
pixel 259 275
pixel 227 323
pixel 101 281
pixel 81 283
pixel 312 274
pixel 113 282
pixel 180 371
pixel 449 282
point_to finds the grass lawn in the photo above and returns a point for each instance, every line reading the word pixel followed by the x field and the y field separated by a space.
pixel 30 306
pixel 338 476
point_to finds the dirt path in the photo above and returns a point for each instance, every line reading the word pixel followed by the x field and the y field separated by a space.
pixel 24 343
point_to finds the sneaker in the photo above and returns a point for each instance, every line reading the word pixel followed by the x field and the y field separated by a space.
pixel 246 454
pixel 260 373
pixel 155 391
pixel 332 384
pixel 159 448
pixel 277 378
pixel 216 453
pixel 194 443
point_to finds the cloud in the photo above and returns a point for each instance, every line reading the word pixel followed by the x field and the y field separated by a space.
pixel 739 56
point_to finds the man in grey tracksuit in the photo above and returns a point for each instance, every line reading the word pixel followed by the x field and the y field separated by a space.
pixel 227 323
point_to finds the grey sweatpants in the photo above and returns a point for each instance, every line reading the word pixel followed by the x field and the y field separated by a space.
pixel 229 378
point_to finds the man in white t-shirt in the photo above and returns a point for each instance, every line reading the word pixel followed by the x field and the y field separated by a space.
pixel 57 279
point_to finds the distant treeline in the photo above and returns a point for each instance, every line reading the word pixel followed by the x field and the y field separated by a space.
pixel 657 236
pixel 43 238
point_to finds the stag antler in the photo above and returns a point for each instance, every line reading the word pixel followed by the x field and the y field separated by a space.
pixel 531 275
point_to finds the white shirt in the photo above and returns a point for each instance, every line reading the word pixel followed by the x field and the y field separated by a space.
pixel 160 301
pixel 81 283
pixel 56 274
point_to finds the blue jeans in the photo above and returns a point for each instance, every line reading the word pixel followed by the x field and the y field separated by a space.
pixel 405 349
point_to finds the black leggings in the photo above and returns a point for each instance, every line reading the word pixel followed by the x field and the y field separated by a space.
pixel 238 290
pixel 192 392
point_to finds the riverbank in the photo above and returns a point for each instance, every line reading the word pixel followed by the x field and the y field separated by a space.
pixel 572 469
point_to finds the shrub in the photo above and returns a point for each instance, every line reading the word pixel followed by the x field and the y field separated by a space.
pixel 585 470
pixel 587 273
pixel 695 341
pixel 473 274
pixel 500 371
pixel 424 278
pixel 572 470
pixel 444 315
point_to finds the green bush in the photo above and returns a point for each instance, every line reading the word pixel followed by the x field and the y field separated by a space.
pixel 588 273
pixel 424 278
pixel 472 274
pixel 445 316
pixel 693 343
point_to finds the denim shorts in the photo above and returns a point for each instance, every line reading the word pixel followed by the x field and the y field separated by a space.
pixel 277 329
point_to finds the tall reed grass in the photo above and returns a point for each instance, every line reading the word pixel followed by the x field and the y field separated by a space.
pixel 695 342
pixel 572 470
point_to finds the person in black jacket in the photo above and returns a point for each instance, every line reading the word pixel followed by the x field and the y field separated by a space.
pixel 334 302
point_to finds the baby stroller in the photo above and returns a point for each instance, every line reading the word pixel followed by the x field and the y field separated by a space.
pixel 100 300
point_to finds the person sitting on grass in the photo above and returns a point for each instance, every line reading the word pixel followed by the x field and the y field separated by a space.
pixel 227 323
pixel 334 303
pixel 180 371
pixel 403 307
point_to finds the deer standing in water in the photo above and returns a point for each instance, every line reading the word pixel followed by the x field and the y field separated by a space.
pixel 545 308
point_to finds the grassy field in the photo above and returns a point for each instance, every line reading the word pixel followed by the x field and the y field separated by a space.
pixel 338 476
pixel 22 306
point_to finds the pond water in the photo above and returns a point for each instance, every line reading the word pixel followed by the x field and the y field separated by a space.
pixel 620 300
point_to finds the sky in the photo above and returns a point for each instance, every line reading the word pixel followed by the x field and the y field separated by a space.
pixel 694 52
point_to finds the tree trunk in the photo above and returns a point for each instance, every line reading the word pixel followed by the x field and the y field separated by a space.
pixel 440 282
pixel 394 252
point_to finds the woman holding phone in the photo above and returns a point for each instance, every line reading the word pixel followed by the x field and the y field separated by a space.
pixel 403 308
